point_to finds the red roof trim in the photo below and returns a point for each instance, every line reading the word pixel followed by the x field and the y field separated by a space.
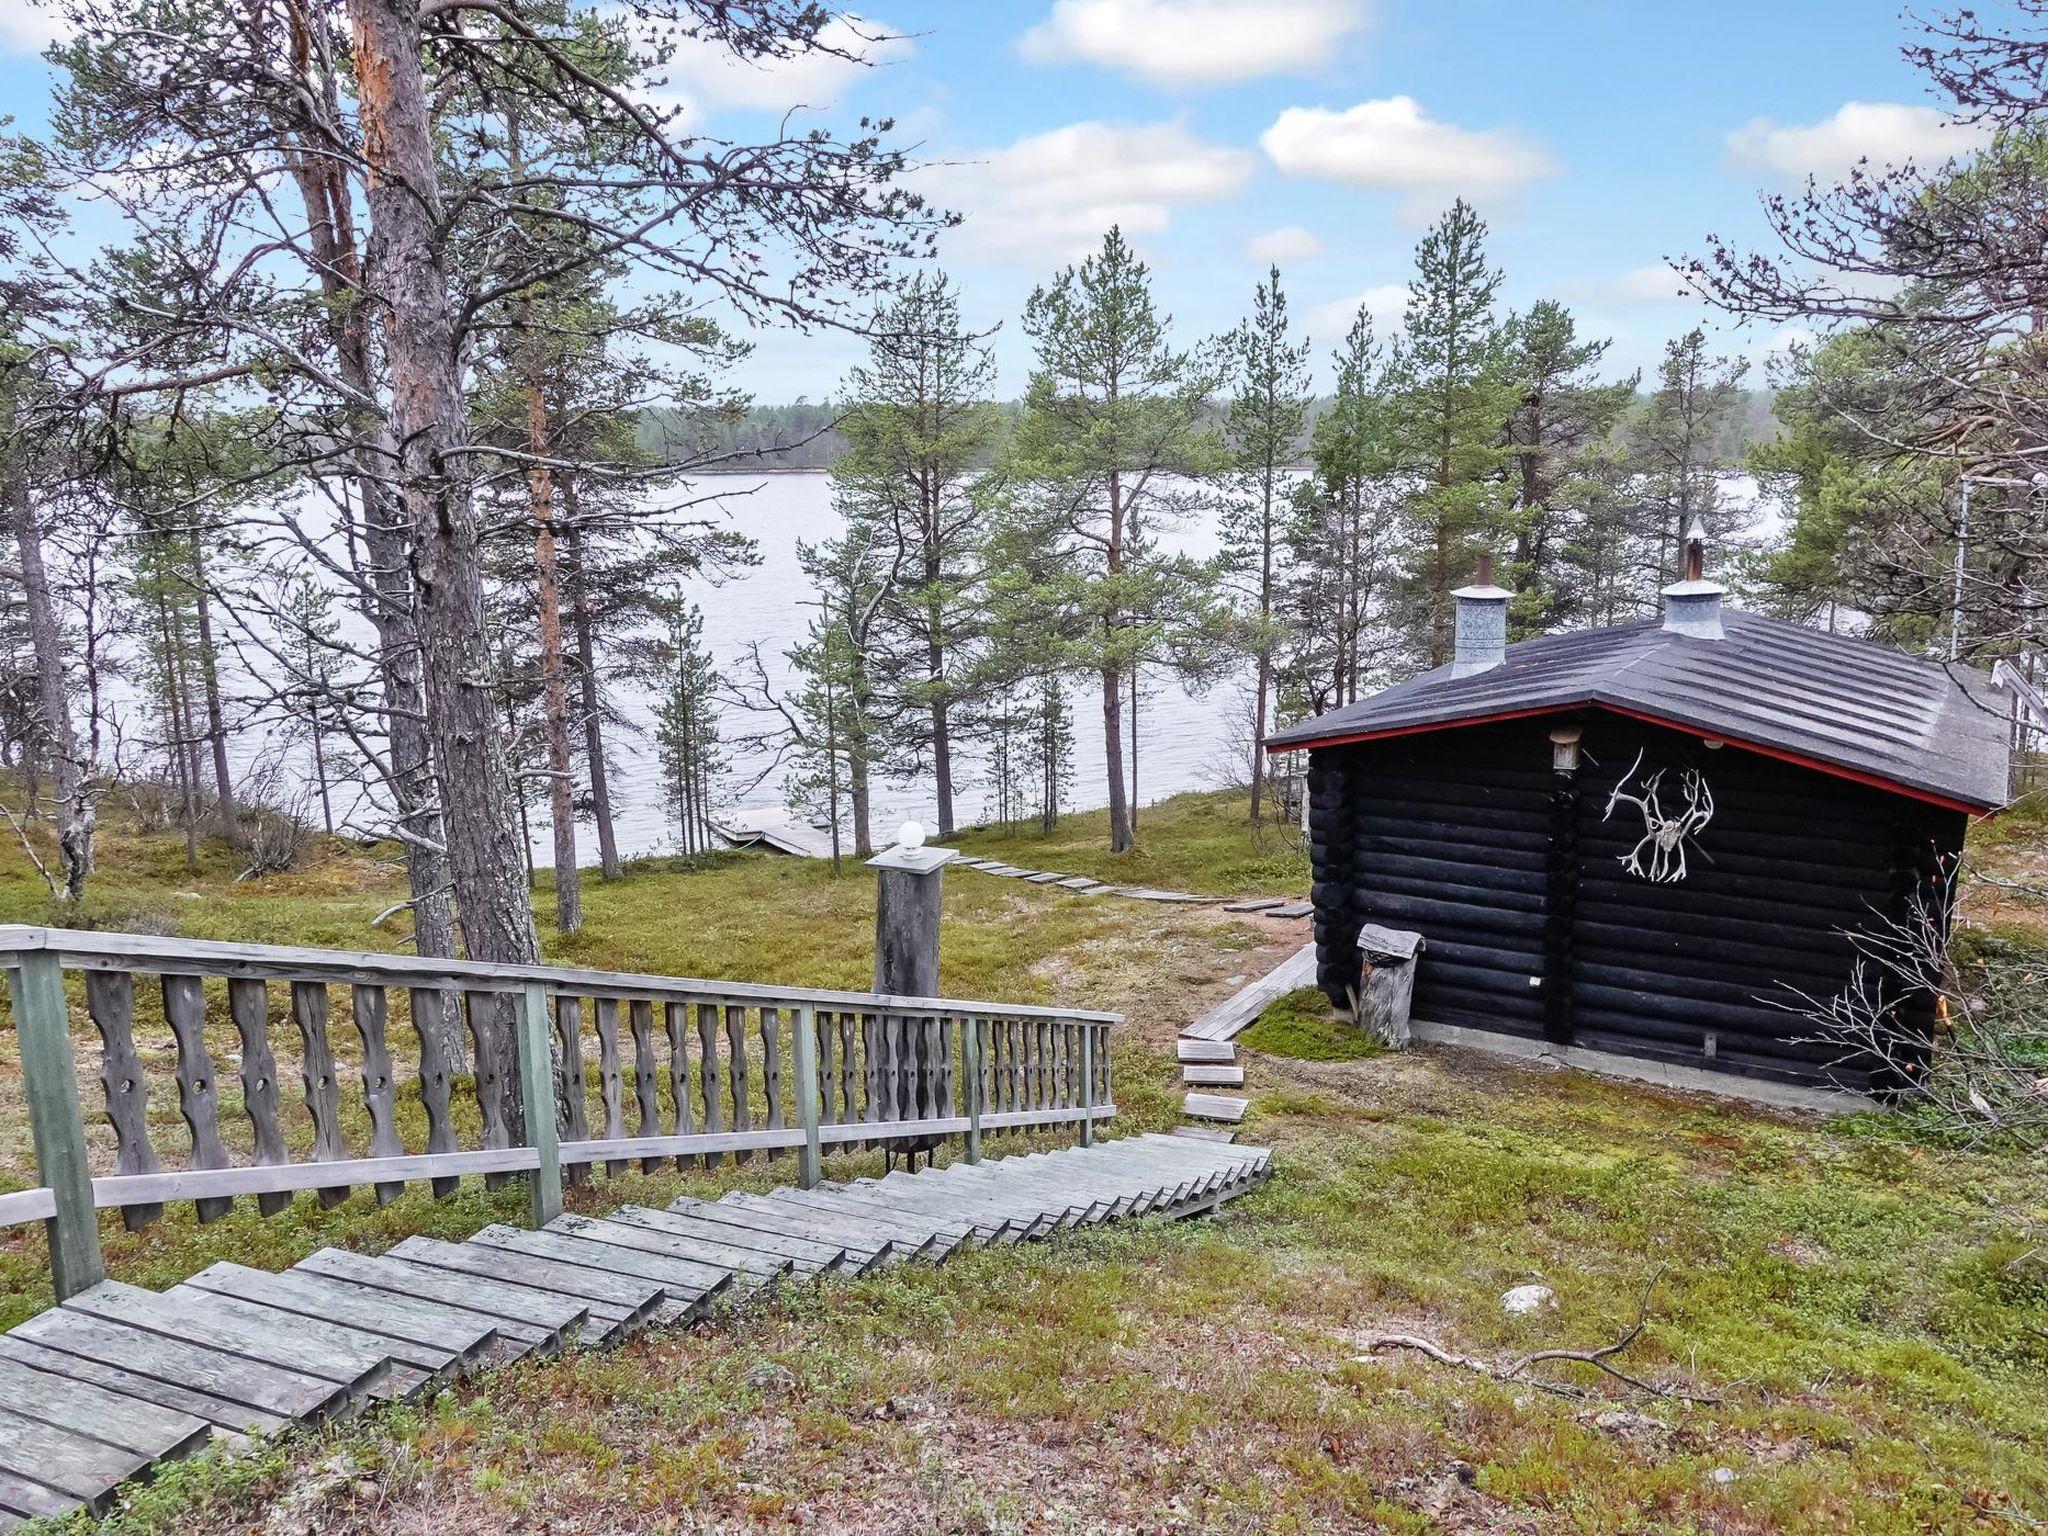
pixel 1876 781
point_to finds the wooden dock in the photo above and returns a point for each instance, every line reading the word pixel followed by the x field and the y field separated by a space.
pixel 117 1379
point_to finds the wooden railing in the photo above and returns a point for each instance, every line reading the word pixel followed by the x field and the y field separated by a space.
pixel 450 1068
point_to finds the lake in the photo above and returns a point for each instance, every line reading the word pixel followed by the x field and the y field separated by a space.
pixel 1181 736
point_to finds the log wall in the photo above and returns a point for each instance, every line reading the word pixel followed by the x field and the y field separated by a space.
pixel 1516 876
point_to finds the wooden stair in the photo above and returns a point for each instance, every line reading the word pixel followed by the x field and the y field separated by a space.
pixel 118 1379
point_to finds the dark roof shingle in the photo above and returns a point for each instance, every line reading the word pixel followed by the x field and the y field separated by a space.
pixel 1838 702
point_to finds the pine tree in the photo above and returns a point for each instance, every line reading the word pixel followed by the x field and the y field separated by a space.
pixel 1454 391
pixel 1267 414
pixel 917 425
pixel 1341 537
pixel 686 725
pixel 1112 430
pixel 1680 453
pixel 310 636
pixel 1562 420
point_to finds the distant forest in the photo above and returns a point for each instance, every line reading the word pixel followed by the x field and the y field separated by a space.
pixel 803 436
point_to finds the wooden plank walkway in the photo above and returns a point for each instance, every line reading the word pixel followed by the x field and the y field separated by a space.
pixel 118 1379
pixel 1230 1017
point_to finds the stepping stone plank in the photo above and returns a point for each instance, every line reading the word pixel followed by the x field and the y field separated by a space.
pixel 1262 904
pixel 265 1396
pixel 1212 1077
pixel 616 1303
pixel 708 1262
pixel 22 1500
pixel 535 1318
pixel 1207 1050
pixel 70 1466
pixel 863 1250
pixel 1213 1106
pixel 62 1403
pixel 401 1321
pixel 1204 1133
pixel 810 1254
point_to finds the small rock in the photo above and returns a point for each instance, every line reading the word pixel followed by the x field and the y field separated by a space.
pixel 1528 1298
pixel 1724 1474
pixel 1466 1473
pixel 772 1378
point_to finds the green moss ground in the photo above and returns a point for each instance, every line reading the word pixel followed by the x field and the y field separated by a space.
pixel 1304 1027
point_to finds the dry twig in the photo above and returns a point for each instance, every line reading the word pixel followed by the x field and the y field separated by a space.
pixel 1601 1359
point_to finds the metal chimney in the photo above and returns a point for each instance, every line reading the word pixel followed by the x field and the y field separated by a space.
pixel 1693 606
pixel 1481 642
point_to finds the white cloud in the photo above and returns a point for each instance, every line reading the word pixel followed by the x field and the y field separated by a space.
pixel 1050 197
pixel 1194 42
pixel 1392 143
pixel 1280 246
pixel 704 74
pixel 1655 283
pixel 1883 132
pixel 27 28
pixel 1386 303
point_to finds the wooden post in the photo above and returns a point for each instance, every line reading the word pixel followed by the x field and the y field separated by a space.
pixel 808 1156
pixel 970 1064
pixel 537 1098
pixel 909 880
pixel 1088 1085
pixel 42 1021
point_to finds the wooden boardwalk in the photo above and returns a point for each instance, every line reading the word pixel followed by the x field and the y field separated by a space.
pixel 117 1378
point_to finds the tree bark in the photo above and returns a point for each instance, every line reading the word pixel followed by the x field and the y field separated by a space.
pixel 433 473
pixel 1112 680
pixel 554 682
pixel 216 719
pixel 609 865
pixel 337 261
pixel 75 814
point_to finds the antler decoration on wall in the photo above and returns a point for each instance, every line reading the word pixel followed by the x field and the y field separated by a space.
pixel 1659 855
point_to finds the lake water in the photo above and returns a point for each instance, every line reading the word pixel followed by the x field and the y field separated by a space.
pixel 1181 735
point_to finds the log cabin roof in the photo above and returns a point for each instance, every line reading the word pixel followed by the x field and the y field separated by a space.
pixel 1837 704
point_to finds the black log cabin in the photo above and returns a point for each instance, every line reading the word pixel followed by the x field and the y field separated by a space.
pixel 1646 840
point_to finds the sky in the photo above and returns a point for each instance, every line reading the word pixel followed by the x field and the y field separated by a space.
pixel 1598 138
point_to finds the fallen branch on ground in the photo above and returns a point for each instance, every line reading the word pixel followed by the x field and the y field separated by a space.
pixel 1601 1359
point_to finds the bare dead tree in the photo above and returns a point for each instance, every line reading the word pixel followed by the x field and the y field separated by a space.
pixel 1984 1075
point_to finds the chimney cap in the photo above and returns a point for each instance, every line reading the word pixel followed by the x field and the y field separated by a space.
pixel 1485 593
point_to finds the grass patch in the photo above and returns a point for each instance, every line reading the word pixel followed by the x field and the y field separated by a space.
pixel 1203 843
pixel 1304 1027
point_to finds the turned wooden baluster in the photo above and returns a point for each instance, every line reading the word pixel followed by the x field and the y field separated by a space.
pixel 610 1087
pixel 676 1018
pixel 640 1020
pixel 736 1045
pixel 575 1111
pixel 249 1007
pixel 771 1067
pixel 110 999
pixel 429 1025
pixel 713 1082
pixel 490 1034
pixel 198 1093
pixel 379 1094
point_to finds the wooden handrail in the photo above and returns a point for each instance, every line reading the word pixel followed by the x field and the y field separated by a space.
pixel 85 949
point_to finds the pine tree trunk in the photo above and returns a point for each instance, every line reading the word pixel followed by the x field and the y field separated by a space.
pixel 554 683
pixel 1113 751
pixel 609 865
pixel 337 261
pixel 216 722
pixel 433 472
pixel 75 818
